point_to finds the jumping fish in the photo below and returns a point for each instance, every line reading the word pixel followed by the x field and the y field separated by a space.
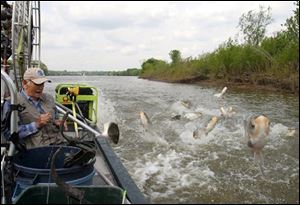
pixel 192 115
pixel 256 131
pixel 218 95
pixel 186 103
pixel 145 119
pixel 230 110
pixel 211 124
pixel 291 132
pixel 223 111
pixel 257 128
pixel 204 131
pixel 229 113
pixel 189 116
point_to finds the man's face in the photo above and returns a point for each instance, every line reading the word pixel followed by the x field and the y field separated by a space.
pixel 33 90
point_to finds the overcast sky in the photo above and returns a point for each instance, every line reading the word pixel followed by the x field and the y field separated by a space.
pixel 104 36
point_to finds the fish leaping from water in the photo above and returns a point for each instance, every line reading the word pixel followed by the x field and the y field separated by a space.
pixel 186 103
pixel 229 113
pixel 211 124
pixel 189 116
pixel 219 95
pixel 204 131
pixel 291 132
pixel 192 115
pixel 144 119
pixel 257 130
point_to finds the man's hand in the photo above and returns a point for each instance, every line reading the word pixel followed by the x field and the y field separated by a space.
pixel 58 122
pixel 43 120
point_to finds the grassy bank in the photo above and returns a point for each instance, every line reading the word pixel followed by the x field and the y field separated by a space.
pixel 237 85
pixel 270 62
pixel 274 63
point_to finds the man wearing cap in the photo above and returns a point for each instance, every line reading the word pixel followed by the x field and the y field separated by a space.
pixel 38 125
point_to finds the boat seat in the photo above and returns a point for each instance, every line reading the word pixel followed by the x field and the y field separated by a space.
pixel 82 91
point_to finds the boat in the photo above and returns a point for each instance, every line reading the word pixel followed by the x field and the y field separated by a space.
pixel 85 168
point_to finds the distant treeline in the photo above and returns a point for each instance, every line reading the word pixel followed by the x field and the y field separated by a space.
pixel 128 72
pixel 258 60
pixel 43 66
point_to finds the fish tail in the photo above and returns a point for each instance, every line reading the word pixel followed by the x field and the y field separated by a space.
pixel 259 159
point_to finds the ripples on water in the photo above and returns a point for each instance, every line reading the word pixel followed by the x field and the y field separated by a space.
pixel 170 166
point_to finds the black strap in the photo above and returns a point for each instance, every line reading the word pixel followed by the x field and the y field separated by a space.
pixel 20 145
pixel 87 149
pixel 68 189
pixel 17 107
pixel 5 123
pixel 80 158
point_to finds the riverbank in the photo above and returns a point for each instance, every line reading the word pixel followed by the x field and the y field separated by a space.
pixel 288 86
pixel 246 86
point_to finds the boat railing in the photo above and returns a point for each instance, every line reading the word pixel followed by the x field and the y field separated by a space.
pixel 13 128
pixel 14 104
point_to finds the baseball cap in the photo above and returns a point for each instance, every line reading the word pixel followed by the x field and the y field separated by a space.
pixel 37 75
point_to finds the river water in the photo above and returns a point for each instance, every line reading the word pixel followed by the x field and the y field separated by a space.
pixel 170 166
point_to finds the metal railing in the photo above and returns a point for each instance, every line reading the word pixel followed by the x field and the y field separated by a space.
pixel 13 128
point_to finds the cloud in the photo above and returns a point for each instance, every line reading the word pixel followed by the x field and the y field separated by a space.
pixel 120 35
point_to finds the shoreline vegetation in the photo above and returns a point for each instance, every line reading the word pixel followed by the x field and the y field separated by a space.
pixel 270 63
pixel 239 65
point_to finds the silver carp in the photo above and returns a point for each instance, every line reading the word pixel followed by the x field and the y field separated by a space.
pixel 219 95
pixel 204 131
pixel 144 119
pixel 257 128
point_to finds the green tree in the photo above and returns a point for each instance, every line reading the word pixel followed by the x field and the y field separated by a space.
pixel 253 25
pixel 151 61
pixel 175 56
pixel 292 24
pixel 152 65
